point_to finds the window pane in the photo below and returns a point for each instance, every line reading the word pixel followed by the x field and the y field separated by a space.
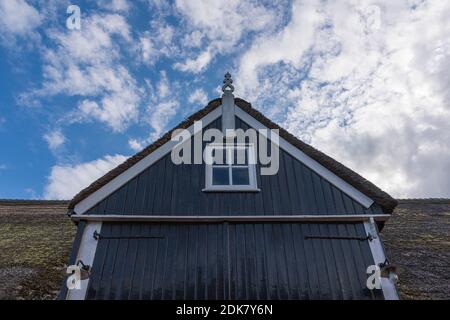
pixel 220 176
pixel 241 177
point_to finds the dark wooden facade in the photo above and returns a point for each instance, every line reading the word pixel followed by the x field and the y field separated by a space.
pixel 231 261
pixel 169 189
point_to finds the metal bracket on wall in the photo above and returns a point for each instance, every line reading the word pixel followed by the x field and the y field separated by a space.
pixel 369 237
pixel 85 270
pixel 98 236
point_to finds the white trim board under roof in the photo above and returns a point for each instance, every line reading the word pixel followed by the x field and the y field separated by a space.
pixel 235 218
pixel 379 257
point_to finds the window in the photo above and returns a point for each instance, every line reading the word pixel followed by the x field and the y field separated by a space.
pixel 230 168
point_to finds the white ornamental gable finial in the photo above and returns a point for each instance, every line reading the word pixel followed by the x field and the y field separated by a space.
pixel 228 86
pixel 228 106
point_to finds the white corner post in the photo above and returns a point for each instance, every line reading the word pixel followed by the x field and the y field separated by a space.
pixel 379 257
pixel 228 123
pixel 86 254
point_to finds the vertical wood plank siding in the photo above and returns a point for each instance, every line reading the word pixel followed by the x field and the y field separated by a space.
pixel 231 261
pixel 168 189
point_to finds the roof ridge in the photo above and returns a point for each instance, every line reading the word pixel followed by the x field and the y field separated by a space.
pixel 32 201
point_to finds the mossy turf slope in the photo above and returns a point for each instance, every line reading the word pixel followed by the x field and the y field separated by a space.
pixel 417 240
pixel 35 241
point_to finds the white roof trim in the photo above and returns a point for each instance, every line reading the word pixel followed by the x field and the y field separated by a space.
pixel 376 247
pixel 339 183
pixel 234 218
pixel 97 196
pixel 86 253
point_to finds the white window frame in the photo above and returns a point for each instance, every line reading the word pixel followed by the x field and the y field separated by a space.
pixel 251 187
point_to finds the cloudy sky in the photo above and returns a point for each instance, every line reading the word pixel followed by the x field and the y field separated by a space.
pixel 367 82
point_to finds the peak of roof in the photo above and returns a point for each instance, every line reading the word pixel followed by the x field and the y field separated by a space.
pixel 369 189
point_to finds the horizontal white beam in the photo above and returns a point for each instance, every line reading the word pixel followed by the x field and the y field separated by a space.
pixel 216 219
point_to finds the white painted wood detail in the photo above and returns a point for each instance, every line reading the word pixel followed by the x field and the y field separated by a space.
pixel 86 253
pixel 379 256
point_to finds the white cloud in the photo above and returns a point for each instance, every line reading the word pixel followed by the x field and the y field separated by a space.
pixel 193 39
pixel 135 145
pixel 163 107
pixel 87 64
pixel 222 24
pixel 115 5
pixel 116 110
pixel 147 49
pixel 364 83
pixel 195 65
pixel 157 42
pixel 120 5
pixel 65 181
pixel 198 96
pixel 55 139
pixel 160 115
pixel 225 20
pixel 163 86
pixel 289 46
pixel 18 17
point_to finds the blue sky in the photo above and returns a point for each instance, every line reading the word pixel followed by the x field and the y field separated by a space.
pixel 364 81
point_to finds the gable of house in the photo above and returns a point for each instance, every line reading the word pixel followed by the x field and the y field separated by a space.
pixel 165 188
pixel 309 191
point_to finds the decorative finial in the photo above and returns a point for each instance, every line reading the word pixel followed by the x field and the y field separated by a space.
pixel 228 87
